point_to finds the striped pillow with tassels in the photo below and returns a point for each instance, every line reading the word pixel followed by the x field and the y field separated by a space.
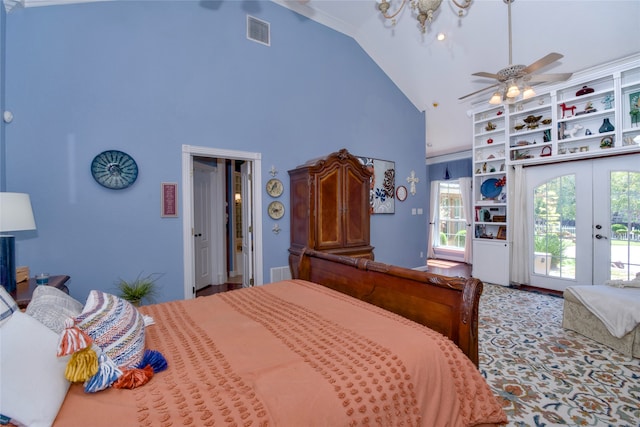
pixel 106 342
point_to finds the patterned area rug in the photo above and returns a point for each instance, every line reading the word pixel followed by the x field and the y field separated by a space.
pixel 547 375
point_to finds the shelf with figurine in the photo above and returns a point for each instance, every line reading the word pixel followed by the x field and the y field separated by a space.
pixel 489 156
pixel 489 125
pixel 490 231
pixel 588 114
pixel 590 91
pixel 490 141
pixel 537 115
pixel 492 114
pixel 531 106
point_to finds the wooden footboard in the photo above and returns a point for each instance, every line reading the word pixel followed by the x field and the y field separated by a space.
pixel 448 305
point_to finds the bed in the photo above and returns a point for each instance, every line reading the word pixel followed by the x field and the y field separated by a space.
pixel 342 343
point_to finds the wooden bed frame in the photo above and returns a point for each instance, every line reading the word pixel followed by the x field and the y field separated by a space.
pixel 448 305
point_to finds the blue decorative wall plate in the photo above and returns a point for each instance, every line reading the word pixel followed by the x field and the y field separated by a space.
pixel 114 169
pixel 489 190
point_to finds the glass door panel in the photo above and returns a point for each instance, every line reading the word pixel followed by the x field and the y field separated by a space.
pixel 560 200
pixel 554 237
pixel 617 220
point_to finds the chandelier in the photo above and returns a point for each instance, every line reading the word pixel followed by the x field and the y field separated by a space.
pixel 424 9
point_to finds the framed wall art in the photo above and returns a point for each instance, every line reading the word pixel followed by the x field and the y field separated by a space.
pixel 383 185
pixel 169 200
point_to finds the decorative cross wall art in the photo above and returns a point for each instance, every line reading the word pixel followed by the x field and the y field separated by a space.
pixel 413 180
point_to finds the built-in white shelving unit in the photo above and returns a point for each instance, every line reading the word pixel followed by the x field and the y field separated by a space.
pixel 594 114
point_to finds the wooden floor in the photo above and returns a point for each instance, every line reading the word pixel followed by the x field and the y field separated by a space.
pixel 233 283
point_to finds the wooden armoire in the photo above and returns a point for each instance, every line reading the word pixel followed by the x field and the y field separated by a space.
pixel 330 206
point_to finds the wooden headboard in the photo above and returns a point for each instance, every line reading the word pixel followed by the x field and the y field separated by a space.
pixel 448 305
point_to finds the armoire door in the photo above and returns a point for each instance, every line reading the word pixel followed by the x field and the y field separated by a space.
pixel 356 209
pixel 329 209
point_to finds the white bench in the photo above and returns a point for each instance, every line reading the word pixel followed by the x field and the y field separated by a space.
pixel 580 319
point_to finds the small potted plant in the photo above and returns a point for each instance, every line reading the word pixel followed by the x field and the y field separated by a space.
pixel 143 288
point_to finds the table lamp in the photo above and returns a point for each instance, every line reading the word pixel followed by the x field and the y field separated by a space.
pixel 15 215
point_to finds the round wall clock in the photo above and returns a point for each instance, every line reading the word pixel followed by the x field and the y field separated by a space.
pixel 276 210
pixel 401 193
pixel 114 169
pixel 274 187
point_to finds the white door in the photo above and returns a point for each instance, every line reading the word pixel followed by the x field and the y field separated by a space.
pixel 616 219
pixel 247 225
pixel 209 223
pixel 573 208
pixel 202 226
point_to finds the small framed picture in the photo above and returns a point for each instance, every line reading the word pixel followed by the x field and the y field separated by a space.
pixel 169 200
pixel 502 233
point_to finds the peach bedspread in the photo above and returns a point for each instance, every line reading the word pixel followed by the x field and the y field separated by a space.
pixel 292 353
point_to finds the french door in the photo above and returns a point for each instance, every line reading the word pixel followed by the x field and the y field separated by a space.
pixel 584 221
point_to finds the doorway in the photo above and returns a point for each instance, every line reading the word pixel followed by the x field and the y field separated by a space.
pixel 213 208
pixel 584 222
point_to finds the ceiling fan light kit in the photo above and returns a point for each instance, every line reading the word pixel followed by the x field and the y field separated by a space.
pixel 513 91
pixel 423 9
pixel 515 81
pixel 496 98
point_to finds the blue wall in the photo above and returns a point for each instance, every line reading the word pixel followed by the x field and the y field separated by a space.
pixel 147 77
pixel 3 157
pixel 457 169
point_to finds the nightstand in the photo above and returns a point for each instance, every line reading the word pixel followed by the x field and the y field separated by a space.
pixel 23 293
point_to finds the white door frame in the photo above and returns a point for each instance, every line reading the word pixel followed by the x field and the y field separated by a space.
pixel 188 153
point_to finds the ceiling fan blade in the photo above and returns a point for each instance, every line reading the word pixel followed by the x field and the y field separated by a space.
pixel 487 75
pixel 478 91
pixel 558 77
pixel 542 62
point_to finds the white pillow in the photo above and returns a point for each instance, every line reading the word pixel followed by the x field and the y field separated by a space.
pixel 8 305
pixel 32 382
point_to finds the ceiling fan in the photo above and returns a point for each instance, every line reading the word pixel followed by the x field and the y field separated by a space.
pixel 514 79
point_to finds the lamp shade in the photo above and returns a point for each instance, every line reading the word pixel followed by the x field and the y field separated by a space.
pixel 496 98
pixel 15 212
pixel 528 92
pixel 513 91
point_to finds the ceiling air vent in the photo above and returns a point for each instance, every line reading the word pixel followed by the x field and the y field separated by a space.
pixel 258 31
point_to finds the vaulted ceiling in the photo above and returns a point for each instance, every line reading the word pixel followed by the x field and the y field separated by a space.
pixel 430 72
pixel 434 74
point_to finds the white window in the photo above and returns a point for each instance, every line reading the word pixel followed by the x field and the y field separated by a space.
pixel 451 221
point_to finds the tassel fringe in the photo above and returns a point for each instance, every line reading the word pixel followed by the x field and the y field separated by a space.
pixel 82 366
pixel 107 374
pixel 132 378
pixel 72 339
pixel 148 320
pixel 155 359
